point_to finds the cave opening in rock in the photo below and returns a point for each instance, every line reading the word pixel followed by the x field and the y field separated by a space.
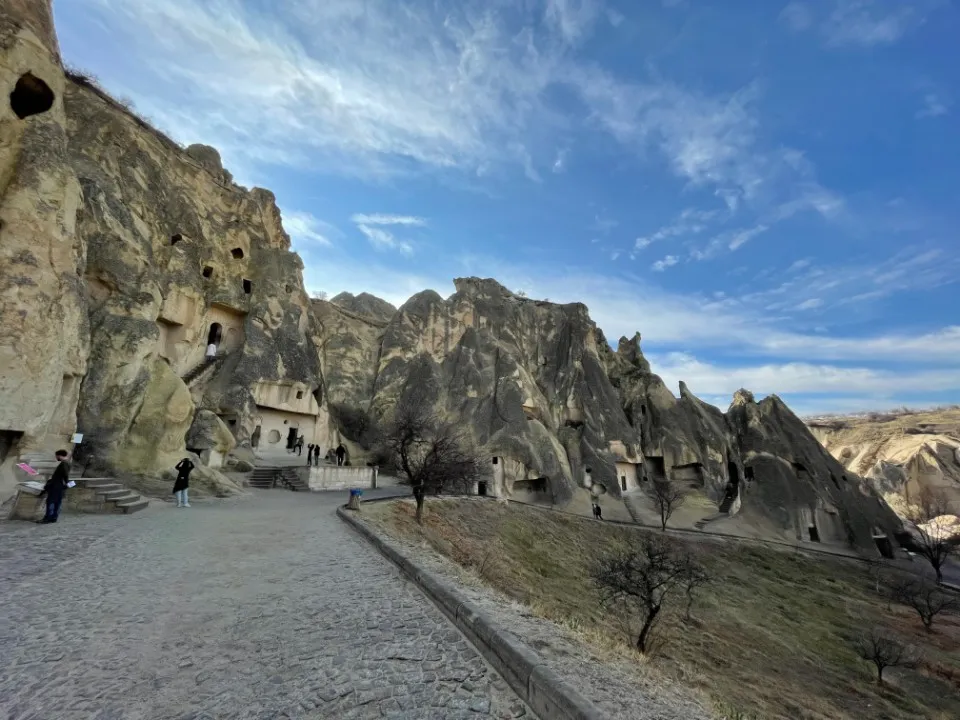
pixel 247 286
pixel 299 394
pixel 734 473
pixel 30 96
pixel 207 271
pixel 237 253
pixel 174 239
pixel 482 488
pixel 215 335
pixel 814 534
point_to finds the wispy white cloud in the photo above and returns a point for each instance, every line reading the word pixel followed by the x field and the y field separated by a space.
pixel 797 377
pixel 560 161
pixel 866 23
pixel 810 304
pixel 573 19
pixel 933 106
pixel 742 237
pixel 385 219
pixel 797 15
pixel 668 261
pixel 305 230
pixel 372 226
pixel 690 222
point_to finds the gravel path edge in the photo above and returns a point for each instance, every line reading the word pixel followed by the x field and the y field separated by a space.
pixel 540 687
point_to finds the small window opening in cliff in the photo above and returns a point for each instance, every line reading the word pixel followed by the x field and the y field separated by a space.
pixel 247 286
pixel 495 461
pixel 30 96
pixel 623 483
pixel 207 271
pixel 237 253
pixel 174 239
pixel 748 473
pixel 299 394
pixel 814 533
pixel 643 411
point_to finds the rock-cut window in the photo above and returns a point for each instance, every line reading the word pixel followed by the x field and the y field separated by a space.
pixel 30 96
pixel 208 271
pixel 237 253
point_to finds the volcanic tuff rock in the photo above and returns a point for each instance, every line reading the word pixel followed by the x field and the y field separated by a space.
pixel 899 453
pixel 541 390
pixel 124 256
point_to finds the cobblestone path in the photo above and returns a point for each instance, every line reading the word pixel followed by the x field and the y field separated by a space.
pixel 265 607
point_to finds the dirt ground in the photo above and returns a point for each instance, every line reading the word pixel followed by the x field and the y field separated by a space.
pixel 771 636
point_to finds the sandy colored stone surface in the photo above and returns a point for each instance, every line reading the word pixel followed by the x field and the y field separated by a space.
pixel 210 612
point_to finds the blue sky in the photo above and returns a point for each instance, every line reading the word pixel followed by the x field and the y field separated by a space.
pixel 769 191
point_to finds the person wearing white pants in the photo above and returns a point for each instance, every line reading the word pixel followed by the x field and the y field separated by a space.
pixel 181 488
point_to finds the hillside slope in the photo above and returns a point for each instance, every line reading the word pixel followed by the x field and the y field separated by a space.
pixel 900 453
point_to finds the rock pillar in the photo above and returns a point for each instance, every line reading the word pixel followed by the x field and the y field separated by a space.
pixel 42 316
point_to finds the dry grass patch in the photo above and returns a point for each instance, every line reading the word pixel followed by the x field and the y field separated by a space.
pixel 772 635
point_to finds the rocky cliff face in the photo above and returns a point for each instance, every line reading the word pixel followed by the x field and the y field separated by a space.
pixel 173 249
pixel 543 392
pixel 899 453
pixel 43 325
pixel 123 257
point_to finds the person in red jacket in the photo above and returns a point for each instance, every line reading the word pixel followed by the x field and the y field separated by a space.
pixel 56 488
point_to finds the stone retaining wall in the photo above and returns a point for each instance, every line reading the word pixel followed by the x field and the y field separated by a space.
pixel 331 477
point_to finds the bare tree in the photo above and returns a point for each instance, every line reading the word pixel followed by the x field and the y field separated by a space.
pixel 933 537
pixel 319 295
pixel 884 650
pixel 667 496
pixel 927 599
pixel 694 577
pixel 637 580
pixel 431 453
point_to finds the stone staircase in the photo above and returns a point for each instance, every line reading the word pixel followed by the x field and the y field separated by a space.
pixel 290 478
pixel 92 494
pixel 633 500
pixel 264 477
pixel 203 371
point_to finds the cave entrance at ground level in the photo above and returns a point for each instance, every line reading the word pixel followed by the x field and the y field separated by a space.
pixel 623 483
pixel 733 472
pixel 292 435
pixel 482 488
pixel 814 533
pixel 216 334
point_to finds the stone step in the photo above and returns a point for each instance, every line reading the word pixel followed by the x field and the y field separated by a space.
pixel 125 497
pixel 97 482
pixel 133 506
pixel 112 494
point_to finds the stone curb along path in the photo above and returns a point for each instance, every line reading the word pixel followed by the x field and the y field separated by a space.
pixel 548 695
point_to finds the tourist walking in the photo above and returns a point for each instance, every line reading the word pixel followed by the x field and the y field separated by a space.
pixel 341 454
pixel 299 445
pixel 56 488
pixel 181 488
pixel 211 352
pixel 316 455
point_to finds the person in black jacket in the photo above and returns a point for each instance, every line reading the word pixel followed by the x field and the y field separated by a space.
pixel 310 454
pixel 56 487
pixel 181 487
pixel 341 453
pixel 316 455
